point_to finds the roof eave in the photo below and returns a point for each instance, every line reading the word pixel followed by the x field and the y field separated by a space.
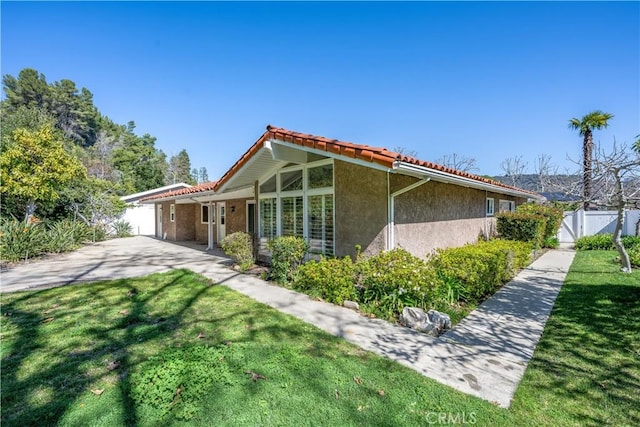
pixel 445 177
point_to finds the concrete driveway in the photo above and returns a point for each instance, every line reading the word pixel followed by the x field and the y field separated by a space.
pixel 113 259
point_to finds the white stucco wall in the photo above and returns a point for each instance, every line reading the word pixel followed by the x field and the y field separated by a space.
pixel 141 218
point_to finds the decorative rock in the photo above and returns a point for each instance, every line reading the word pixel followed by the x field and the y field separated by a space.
pixel 351 304
pixel 441 321
pixel 413 317
pixel 432 323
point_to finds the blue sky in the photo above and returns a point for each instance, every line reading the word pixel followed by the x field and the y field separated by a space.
pixel 484 80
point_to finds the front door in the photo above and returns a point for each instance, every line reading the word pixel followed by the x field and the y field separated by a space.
pixel 221 221
pixel 159 221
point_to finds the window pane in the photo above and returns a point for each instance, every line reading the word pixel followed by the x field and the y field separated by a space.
pixel 291 181
pixel 320 212
pixel 204 216
pixel 269 186
pixel 292 216
pixel 321 177
pixel 268 218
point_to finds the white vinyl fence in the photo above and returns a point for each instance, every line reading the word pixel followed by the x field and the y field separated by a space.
pixel 576 224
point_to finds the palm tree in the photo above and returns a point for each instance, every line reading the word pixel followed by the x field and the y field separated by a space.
pixel 585 126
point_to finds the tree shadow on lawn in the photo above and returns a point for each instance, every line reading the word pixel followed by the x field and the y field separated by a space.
pixel 590 353
pixel 102 350
pixel 77 365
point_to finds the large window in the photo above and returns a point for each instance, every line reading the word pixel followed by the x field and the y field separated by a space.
pixel 298 201
pixel 320 176
pixel 268 229
pixel 292 216
pixel 321 224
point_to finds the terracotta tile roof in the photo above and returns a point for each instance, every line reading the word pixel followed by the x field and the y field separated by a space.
pixel 380 156
pixel 205 186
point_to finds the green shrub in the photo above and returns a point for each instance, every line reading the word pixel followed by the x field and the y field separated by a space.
pixel 239 247
pixel 122 229
pixel 605 242
pixel 634 256
pixel 82 233
pixel 551 243
pixel 19 241
pixel 553 216
pixel 97 233
pixel 287 253
pixel 392 280
pixel 60 236
pixel 523 227
pixel 595 242
pixel 631 242
pixel 331 279
pixel 475 271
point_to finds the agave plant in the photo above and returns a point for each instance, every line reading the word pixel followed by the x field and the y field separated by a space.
pixel 122 229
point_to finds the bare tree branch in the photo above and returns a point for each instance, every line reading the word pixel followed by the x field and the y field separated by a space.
pixel 513 168
pixel 459 162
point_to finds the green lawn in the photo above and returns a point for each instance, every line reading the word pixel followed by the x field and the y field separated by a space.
pixel 174 348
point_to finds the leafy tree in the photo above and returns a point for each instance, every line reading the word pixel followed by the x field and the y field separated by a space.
pixel 76 115
pixel 72 109
pixel 32 118
pixel 142 166
pixel 95 201
pixel 203 175
pixel 34 166
pixel 30 89
pixel 585 126
pixel 179 169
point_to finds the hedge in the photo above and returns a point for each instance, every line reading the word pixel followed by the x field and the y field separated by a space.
pixel 478 270
pixel 605 242
pixel 553 216
pixel 523 227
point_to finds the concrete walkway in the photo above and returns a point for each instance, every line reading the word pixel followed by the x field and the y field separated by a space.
pixel 485 355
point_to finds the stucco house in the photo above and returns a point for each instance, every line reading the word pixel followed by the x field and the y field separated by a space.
pixel 142 216
pixel 337 195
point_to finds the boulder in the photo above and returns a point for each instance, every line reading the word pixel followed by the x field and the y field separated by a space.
pixel 351 304
pixel 442 321
pixel 413 317
pixel 432 323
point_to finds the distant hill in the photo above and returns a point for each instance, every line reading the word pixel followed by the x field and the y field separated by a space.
pixel 554 187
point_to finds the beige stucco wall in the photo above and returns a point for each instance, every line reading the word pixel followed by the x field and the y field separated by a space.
pixel 360 208
pixel 439 215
